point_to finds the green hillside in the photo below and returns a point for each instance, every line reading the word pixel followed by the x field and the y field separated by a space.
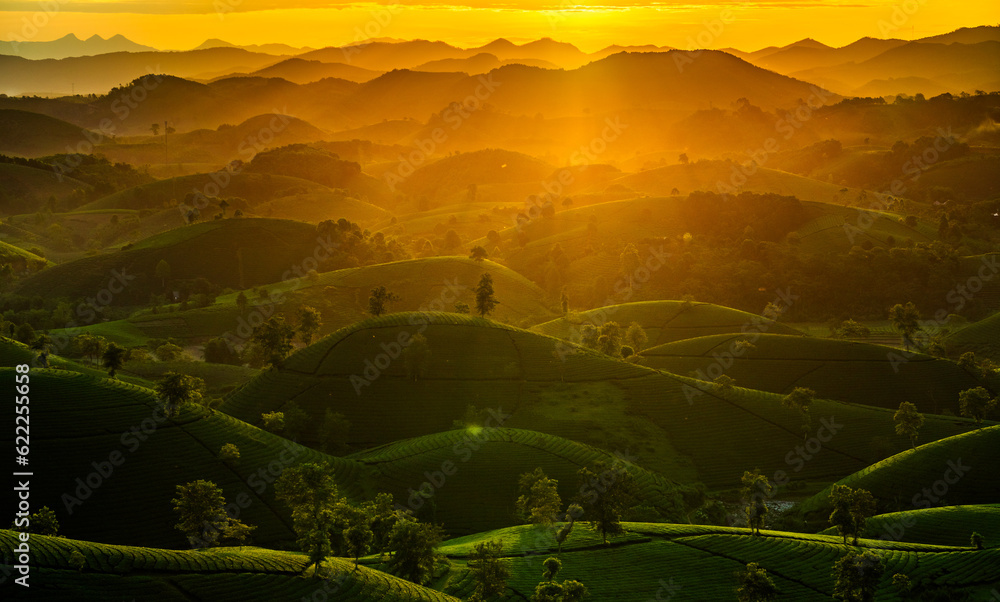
pixel 467 479
pixel 947 472
pixel 245 573
pixel 844 370
pixel 669 423
pixel 663 321
pixel 243 252
pixel 29 134
pixel 982 338
pixel 702 174
pixel 688 562
pixel 946 526
pixel 341 296
pixel 254 188
pixel 84 423
pixel 27 189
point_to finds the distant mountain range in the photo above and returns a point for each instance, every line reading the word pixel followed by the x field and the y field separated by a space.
pixel 961 61
pixel 70 46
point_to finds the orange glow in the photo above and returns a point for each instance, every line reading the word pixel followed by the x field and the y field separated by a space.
pixel 590 26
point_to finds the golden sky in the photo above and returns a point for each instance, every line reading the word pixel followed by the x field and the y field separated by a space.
pixel 590 25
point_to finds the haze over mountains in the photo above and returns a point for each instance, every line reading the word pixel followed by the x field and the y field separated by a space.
pixel 963 61
pixel 327 307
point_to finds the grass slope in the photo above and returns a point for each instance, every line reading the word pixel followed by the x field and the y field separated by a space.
pixel 849 371
pixel 982 337
pixel 243 252
pixel 947 472
pixel 663 321
pixel 690 562
pixel 467 479
pixel 669 423
pixel 341 296
pixel 78 421
pixel 946 526
pixel 244 573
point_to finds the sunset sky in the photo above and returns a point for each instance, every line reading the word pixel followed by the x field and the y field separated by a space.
pixel 184 24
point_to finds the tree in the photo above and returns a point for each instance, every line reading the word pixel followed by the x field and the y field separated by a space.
pixel 379 299
pixel 274 337
pixel 382 517
pixel 25 333
pixel 564 301
pixel 630 261
pixel 977 541
pixel 851 510
pixel 856 576
pixel 567 591
pixel 309 322
pixel 489 571
pixel 229 453
pixel 539 501
pixel 333 432
pixel 905 319
pixel 724 383
pixel 755 585
pixel 163 272
pixel 273 422
pixel 296 420
pixel 176 390
pixel 572 513
pixel 609 339
pixel 908 421
pixel 77 560
pixel 241 303
pixel 91 346
pixel 43 522
pixel 486 302
pixel 414 550
pixel 478 253
pixel 155 128
pixel 114 358
pixel 636 336
pixel 203 518
pixel 311 493
pixel 754 491
pixel 416 356
pixel 462 307
pixel 611 492
pixel 359 539
pixel 219 351
pixel 168 352
pixel 551 567
pixel 976 404
pixel 683 159
pixel 799 399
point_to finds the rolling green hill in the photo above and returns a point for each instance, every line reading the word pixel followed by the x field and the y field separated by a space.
pixel 27 189
pixel 947 472
pixel 80 425
pixel 246 573
pixel 669 423
pixel 846 370
pixel 467 479
pixel 663 321
pixel 243 252
pixel 982 337
pixel 28 134
pixel 341 296
pixel 707 175
pixel 690 562
pixel 489 166
pixel 945 526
